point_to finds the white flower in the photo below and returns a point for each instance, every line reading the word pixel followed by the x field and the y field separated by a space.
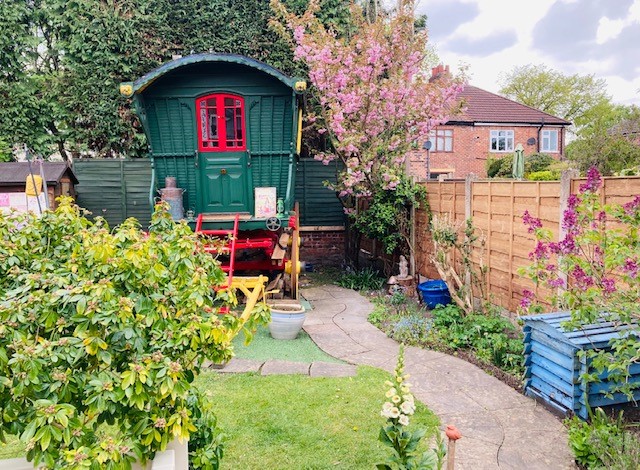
pixel 408 397
pixel 388 383
pixel 394 412
pixel 404 420
pixel 407 408
pixel 391 392
pixel 387 406
pixel 396 399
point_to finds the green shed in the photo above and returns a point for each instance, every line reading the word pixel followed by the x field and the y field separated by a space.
pixel 223 125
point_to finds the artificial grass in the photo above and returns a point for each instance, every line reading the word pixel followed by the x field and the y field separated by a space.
pixel 263 348
pixel 301 422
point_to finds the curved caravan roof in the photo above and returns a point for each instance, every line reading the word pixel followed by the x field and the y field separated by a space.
pixel 138 86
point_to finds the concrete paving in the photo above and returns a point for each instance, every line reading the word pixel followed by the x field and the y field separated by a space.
pixel 500 427
pixel 277 367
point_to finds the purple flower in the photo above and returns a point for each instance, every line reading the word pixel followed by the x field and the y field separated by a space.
pixel 550 267
pixel 569 220
pixel 533 222
pixel 630 208
pixel 583 280
pixel 541 251
pixel 557 282
pixel 631 268
pixel 568 245
pixel 593 181
pixel 573 201
pixel 527 299
pixel 608 285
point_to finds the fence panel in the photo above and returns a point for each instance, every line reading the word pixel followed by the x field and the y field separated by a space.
pixel 115 189
pixel 496 208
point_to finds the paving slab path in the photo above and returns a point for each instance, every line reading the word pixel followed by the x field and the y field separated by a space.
pixel 501 428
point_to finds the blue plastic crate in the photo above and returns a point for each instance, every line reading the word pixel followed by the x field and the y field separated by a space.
pixel 553 368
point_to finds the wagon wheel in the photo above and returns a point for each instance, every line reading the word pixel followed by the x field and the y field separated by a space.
pixel 295 253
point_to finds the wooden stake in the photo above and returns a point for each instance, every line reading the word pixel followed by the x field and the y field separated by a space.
pixel 453 434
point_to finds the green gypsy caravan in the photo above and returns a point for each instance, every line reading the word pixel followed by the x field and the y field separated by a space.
pixel 226 130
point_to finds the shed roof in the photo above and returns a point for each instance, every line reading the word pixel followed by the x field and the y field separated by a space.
pixel 484 106
pixel 143 82
pixel 13 173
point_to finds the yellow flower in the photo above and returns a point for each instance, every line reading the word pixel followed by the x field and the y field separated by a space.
pixel 392 391
pixel 396 399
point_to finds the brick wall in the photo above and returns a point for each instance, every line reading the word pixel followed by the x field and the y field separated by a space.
pixel 471 150
pixel 322 247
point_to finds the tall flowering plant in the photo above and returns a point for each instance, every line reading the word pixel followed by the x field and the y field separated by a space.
pixel 375 100
pixel 594 269
pixel 397 408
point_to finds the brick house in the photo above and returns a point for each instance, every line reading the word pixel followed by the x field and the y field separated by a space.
pixel 490 127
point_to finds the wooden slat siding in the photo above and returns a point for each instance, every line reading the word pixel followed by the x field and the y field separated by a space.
pixel 100 189
pixel 184 170
pixel 318 204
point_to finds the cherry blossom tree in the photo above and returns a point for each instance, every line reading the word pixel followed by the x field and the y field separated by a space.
pixel 376 102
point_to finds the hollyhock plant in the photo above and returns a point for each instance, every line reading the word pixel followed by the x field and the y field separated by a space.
pixel 595 270
pixel 398 407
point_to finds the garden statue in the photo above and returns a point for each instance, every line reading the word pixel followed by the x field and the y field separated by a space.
pixel 404 268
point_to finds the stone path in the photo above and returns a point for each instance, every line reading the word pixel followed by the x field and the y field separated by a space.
pixel 275 367
pixel 501 428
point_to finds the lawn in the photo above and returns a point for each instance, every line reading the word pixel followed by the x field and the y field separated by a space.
pixel 263 347
pixel 294 421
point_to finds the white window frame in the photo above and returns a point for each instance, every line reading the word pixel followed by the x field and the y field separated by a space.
pixel 496 134
pixel 440 138
pixel 546 141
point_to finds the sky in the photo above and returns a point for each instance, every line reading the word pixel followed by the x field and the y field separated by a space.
pixel 585 37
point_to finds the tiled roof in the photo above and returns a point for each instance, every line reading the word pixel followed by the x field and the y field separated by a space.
pixel 17 172
pixel 483 106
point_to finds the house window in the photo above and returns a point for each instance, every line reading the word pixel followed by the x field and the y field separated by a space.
pixel 221 123
pixel 549 140
pixel 501 141
pixel 442 140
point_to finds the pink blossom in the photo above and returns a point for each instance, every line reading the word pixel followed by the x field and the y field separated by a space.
pixel 631 268
pixel 608 285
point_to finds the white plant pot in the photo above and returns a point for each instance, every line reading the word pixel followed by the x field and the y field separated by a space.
pixel 286 320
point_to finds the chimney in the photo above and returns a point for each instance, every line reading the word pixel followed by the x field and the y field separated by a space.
pixel 439 71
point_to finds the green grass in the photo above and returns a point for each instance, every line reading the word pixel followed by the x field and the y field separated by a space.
pixel 285 422
pixel 263 347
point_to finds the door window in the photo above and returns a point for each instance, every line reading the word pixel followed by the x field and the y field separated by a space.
pixel 221 118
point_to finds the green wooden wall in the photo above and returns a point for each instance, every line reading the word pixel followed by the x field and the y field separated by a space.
pixel 115 189
pixel 319 205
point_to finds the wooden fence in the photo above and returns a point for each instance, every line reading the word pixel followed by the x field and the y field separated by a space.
pixel 495 208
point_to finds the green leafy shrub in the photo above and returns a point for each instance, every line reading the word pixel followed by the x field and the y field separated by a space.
pixel 101 327
pixel 546 175
pixel 365 279
pixel 603 443
pixel 537 162
pixel 503 167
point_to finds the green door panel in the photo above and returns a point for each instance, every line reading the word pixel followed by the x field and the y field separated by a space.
pixel 225 186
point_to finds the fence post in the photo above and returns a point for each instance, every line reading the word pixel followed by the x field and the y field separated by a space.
pixel 468 196
pixel 468 215
pixel 565 192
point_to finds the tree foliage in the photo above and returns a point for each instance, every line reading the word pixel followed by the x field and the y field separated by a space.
pixel 610 142
pixel 571 97
pixel 62 62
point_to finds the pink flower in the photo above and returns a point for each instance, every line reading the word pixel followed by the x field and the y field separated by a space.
pixel 608 285
pixel 631 268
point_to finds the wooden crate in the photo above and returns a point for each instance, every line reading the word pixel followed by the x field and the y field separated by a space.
pixel 554 367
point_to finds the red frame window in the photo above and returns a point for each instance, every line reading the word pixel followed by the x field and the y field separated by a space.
pixel 221 126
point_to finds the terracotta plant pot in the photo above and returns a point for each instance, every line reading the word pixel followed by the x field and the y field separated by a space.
pixel 286 320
